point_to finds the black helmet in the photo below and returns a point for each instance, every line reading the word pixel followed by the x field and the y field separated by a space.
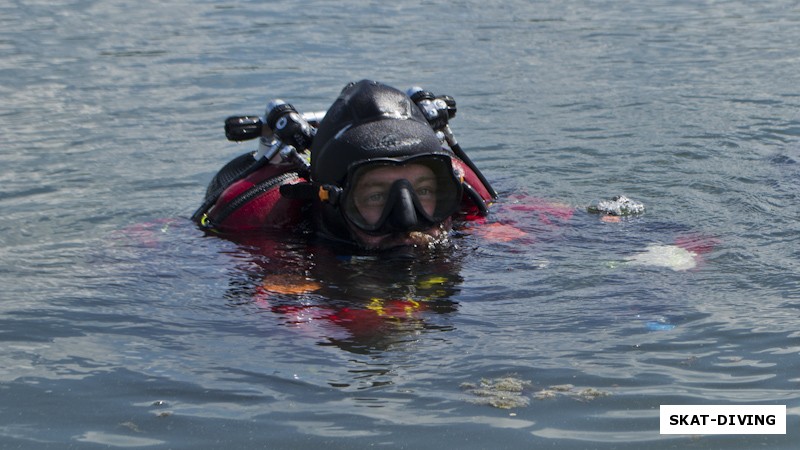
pixel 370 126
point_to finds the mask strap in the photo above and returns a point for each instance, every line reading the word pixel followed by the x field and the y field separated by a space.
pixel 312 191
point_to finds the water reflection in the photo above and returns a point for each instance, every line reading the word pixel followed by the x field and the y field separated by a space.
pixel 361 303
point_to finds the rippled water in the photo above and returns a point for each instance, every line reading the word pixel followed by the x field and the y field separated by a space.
pixel 123 326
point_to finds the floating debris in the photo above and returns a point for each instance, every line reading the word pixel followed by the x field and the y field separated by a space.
pixel 509 392
pixel 617 206
pixel 569 390
pixel 562 387
pixel 591 394
pixel 545 394
pixel 504 393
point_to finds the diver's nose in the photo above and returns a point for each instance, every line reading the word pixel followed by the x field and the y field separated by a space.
pixel 403 216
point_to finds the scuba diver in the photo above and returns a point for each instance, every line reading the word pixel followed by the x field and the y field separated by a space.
pixel 385 172
pixel 379 172
pixel 377 177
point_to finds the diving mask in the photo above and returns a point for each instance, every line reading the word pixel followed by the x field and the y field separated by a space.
pixel 388 195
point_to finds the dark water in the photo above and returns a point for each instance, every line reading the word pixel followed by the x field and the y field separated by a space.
pixel 123 326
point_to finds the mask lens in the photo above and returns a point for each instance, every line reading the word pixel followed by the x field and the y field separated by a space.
pixel 423 191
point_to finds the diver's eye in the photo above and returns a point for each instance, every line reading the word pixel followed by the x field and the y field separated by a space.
pixel 425 190
pixel 376 198
pixel 372 199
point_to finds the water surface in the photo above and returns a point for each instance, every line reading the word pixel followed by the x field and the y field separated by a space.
pixel 122 325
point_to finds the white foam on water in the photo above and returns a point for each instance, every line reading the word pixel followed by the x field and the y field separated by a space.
pixel 669 256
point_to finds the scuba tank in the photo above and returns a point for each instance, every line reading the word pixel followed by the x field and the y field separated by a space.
pixel 247 194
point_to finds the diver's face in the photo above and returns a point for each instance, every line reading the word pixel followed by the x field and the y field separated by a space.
pixel 370 196
pixel 372 190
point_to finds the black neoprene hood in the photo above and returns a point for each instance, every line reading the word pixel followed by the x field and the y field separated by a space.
pixel 369 120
